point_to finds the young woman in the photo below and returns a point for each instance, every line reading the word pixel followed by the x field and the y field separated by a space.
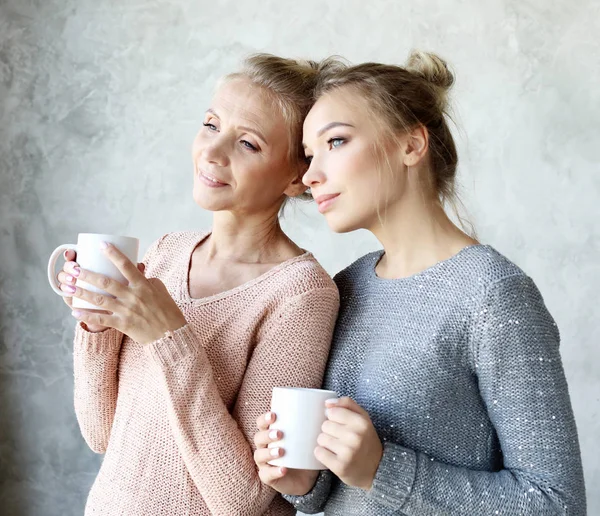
pixel 170 380
pixel 455 401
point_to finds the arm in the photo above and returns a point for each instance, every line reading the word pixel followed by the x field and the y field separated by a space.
pixel 216 446
pixel 95 361
pixel 95 364
pixel 522 383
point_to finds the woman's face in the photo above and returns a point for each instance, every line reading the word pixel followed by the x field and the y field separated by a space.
pixel 241 153
pixel 350 166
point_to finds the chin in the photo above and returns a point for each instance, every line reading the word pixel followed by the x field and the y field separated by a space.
pixel 208 202
pixel 340 224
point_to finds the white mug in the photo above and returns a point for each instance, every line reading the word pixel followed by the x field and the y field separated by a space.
pixel 91 258
pixel 300 415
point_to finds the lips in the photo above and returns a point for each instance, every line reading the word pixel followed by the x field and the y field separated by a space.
pixel 325 201
pixel 209 179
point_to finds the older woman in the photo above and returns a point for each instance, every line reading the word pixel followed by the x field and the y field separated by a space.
pixel 170 378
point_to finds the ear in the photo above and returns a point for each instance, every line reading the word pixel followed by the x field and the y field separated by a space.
pixel 296 187
pixel 416 146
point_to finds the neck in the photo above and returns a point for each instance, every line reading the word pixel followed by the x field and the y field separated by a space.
pixel 416 233
pixel 247 238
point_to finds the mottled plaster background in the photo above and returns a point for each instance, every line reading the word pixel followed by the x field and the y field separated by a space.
pixel 99 103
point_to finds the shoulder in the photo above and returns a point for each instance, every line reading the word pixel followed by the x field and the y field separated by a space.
pixel 486 265
pixel 301 276
pixel 357 270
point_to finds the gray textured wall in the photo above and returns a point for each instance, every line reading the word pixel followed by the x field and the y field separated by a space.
pixel 99 102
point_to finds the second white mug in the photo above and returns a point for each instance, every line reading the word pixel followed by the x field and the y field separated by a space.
pixel 300 415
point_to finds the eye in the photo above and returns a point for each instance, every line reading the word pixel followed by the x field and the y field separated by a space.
pixel 248 145
pixel 211 127
pixel 336 142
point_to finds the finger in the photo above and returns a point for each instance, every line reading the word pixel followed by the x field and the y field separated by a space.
pixel 102 301
pixel 262 439
pixel 105 283
pixel 270 474
pixel 345 416
pixel 334 429
pixel 124 264
pixel 328 459
pixel 347 403
pixel 97 319
pixel 263 455
pixel 70 255
pixel 332 444
pixel 66 278
pixel 263 422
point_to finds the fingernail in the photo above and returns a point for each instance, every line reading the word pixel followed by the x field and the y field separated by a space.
pixel 76 314
pixel 69 288
pixel 76 271
pixel 268 416
pixel 69 279
pixel 103 245
pixel 273 434
pixel 282 471
pixel 332 401
pixel 275 452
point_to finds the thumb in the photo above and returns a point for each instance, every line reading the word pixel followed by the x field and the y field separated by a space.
pixel 141 267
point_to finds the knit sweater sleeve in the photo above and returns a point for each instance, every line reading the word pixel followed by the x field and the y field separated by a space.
pixel 515 346
pixel 216 445
pixel 95 371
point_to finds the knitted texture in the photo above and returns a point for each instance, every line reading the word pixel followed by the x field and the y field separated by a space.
pixel 460 371
pixel 176 418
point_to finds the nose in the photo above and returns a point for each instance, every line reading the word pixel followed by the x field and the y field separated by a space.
pixel 211 150
pixel 215 153
pixel 313 176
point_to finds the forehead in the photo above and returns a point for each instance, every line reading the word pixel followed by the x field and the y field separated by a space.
pixel 340 105
pixel 241 101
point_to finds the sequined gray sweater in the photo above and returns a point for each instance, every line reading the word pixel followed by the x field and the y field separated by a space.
pixel 460 371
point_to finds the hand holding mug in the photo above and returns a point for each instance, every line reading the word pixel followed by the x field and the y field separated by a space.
pixel 67 278
pixel 284 480
pixel 142 308
pixel 106 280
pixel 349 445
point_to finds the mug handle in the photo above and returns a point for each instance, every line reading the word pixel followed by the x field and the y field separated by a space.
pixel 52 267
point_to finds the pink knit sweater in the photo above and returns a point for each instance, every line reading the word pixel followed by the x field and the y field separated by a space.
pixel 176 418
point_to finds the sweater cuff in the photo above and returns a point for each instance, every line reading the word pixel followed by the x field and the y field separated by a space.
pixel 174 346
pixel 107 341
pixel 395 476
pixel 313 501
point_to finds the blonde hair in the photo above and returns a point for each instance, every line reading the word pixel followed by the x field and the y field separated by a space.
pixel 291 84
pixel 405 98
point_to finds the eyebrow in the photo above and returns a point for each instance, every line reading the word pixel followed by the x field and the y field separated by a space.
pixel 243 127
pixel 331 126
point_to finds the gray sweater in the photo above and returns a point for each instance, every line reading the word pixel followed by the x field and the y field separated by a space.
pixel 460 371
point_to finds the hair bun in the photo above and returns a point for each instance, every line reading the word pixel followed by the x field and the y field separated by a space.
pixel 430 67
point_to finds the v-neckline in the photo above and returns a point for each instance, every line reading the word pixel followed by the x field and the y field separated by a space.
pixel 230 292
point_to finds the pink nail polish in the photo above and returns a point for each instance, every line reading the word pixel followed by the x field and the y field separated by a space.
pixel 273 434
pixel 274 452
pixel 69 288
pixel 69 279
pixel 76 271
